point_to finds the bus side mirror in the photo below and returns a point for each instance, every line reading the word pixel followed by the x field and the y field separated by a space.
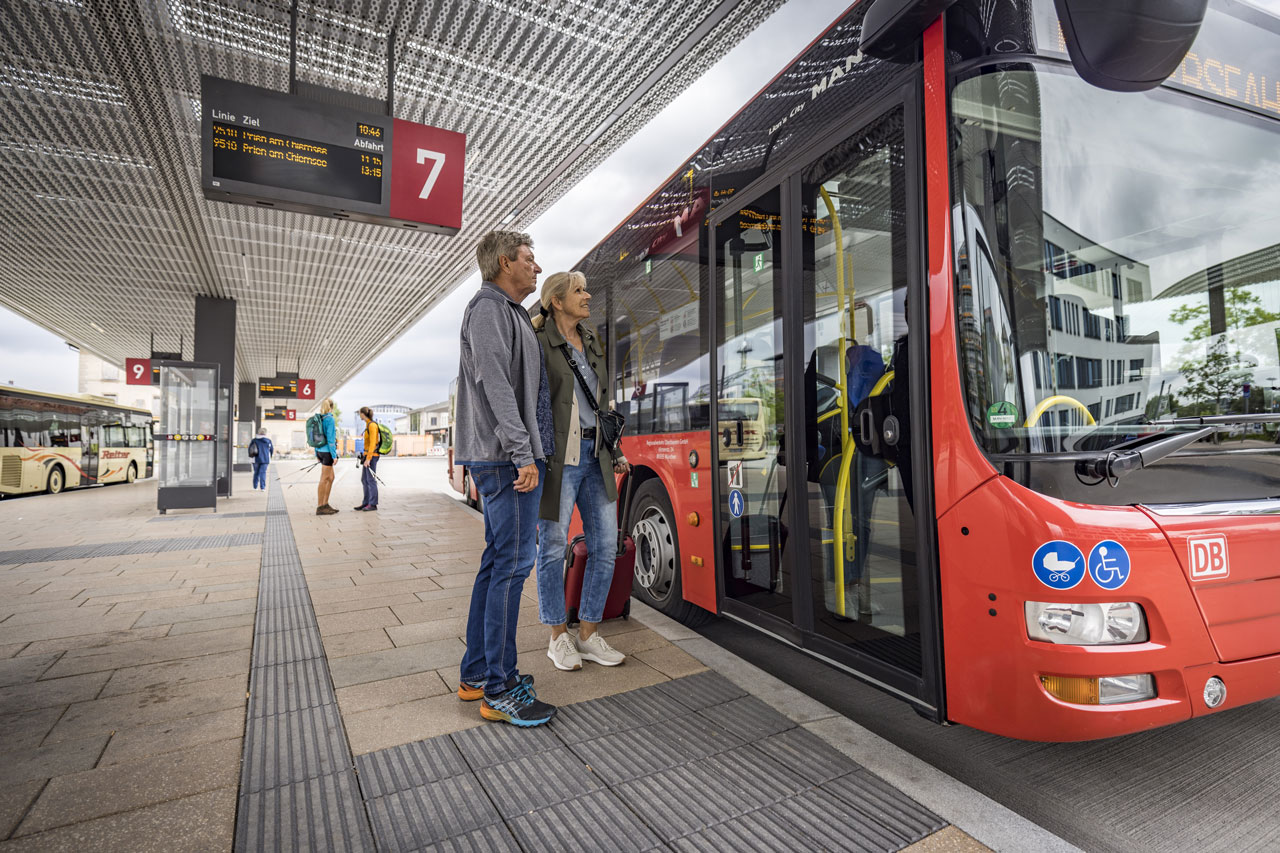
pixel 890 25
pixel 1129 45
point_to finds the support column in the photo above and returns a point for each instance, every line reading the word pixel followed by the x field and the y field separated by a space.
pixel 215 342
pixel 247 421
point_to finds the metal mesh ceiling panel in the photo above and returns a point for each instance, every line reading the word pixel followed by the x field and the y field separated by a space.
pixel 105 237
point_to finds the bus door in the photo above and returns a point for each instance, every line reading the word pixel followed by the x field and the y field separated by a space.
pixel 92 438
pixel 757 567
pixel 871 573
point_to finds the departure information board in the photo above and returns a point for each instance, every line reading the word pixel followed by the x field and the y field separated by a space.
pixel 272 149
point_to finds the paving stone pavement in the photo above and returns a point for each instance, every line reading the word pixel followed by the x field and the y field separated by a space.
pixel 294 690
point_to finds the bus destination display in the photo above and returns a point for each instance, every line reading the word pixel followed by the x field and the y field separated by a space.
pixel 275 160
pixel 269 148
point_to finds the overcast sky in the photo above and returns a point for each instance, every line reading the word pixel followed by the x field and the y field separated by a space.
pixel 416 369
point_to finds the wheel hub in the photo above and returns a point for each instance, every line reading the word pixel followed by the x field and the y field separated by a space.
pixel 655 553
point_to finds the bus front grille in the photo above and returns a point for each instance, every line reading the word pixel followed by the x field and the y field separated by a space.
pixel 11 472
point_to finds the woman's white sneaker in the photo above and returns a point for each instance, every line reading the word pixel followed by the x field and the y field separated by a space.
pixel 564 653
pixel 595 649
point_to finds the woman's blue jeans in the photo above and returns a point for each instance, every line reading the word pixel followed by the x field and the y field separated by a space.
pixel 510 522
pixel 583 485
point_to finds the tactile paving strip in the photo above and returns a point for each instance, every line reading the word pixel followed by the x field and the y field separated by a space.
pixel 298 788
pixel 133 546
pixel 204 516
pixel 691 764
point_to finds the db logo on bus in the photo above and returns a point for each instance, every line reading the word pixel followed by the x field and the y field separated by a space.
pixel 1207 557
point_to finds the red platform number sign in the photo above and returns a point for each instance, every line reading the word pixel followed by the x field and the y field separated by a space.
pixel 137 371
pixel 306 389
pixel 290 414
pixel 428 165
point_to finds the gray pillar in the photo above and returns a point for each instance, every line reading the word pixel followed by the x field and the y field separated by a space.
pixel 247 420
pixel 215 342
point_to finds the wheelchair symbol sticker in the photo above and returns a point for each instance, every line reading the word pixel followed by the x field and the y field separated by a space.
pixel 1109 564
pixel 1058 564
pixel 735 503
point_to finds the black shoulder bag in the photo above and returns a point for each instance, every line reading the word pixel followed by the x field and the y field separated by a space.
pixel 612 422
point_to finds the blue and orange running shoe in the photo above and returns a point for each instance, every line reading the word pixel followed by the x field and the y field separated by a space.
pixel 469 691
pixel 517 706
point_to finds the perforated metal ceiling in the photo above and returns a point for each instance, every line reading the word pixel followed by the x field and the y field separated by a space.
pixel 105 237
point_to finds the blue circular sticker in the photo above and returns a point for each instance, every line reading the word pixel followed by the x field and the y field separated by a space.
pixel 1058 564
pixel 736 504
pixel 1109 564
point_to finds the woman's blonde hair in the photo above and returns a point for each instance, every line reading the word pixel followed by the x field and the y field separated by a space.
pixel 326 405
pixel 557 286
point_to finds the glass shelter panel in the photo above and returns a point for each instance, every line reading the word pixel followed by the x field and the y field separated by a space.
pixel 862 546
pixel 188 413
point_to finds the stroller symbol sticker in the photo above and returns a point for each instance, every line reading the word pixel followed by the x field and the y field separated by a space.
pixel 1058 564
pixel 1109 564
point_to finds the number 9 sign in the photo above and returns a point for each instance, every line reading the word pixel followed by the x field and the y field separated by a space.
pixel 306 389
pixel 137 371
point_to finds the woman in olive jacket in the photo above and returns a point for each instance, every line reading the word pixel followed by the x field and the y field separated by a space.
pixel 580 471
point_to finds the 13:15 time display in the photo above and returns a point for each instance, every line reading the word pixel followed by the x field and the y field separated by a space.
pixel 371 165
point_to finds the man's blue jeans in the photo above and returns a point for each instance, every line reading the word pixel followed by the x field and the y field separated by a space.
pixel 260 474
pixel 510 546
pixel 583 485
pixel 370 484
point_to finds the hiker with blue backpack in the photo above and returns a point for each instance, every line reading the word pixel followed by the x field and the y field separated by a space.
pixel 260 450
pixel 322 434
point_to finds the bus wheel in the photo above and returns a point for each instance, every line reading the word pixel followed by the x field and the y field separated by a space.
pixel 467 488
pixel 132 473
pixel 56 480
pixel 657 572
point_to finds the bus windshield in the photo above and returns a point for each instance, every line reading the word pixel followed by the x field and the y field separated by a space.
pixel 1117 265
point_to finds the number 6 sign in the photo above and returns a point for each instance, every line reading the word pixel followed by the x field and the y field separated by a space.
pixel 427 163
pixel 137 371
pixel 306 389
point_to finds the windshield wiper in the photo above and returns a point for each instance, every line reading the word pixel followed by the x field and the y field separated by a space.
pixel 1116 463
pixel 1264 418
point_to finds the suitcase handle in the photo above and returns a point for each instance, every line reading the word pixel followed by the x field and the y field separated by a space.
pixel 622 515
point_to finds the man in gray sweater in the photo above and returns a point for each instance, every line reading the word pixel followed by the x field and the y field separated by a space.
pixel 503 399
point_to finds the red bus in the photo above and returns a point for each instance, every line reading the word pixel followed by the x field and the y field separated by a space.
pixel 952 360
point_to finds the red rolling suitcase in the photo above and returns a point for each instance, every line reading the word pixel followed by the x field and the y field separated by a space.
pixel 575 565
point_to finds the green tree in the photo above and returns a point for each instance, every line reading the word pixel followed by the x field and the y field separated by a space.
pixel 1243 309
pixel 1214 382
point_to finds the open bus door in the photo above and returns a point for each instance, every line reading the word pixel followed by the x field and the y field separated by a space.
pixel 825 539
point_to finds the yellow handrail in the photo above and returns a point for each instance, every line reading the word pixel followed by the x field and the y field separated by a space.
pixel 1049 402
pixel 846 443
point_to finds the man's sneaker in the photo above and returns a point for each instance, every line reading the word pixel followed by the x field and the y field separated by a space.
pixel 595 649
pixel 469 691
pixel 518 707
pixel 564 653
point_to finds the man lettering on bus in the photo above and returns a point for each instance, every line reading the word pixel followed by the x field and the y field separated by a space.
pixel 503 404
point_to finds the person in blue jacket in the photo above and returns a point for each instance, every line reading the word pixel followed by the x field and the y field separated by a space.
pixel 326 455
pixel 260 450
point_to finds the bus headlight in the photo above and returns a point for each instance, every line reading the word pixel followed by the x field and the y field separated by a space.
pixel 1092 624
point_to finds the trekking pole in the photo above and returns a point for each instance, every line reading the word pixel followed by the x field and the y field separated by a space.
pixel 296 474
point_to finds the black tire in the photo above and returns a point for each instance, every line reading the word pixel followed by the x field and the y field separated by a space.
pixel 132 474
pixel 57 480
pixel 657 580
pixel 467 488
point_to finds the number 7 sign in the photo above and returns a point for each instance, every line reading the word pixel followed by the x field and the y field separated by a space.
pixel 427 171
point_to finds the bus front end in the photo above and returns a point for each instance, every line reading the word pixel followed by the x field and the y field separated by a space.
pixel 1109 540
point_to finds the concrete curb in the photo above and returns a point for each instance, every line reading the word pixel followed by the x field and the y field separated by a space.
pixel 984 819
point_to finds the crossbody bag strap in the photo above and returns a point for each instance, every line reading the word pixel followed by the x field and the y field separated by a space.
pixel 586 389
